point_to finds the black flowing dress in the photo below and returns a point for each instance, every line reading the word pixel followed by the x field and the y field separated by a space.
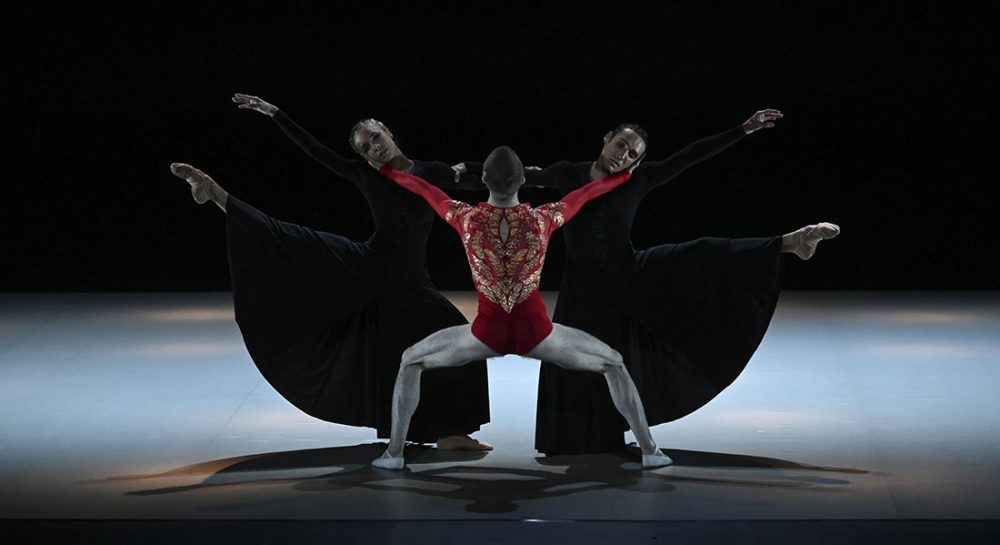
pixel 686 317
pixel 326 318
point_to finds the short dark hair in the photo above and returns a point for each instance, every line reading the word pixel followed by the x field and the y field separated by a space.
pixel 634 128
pixel 357 127
pixel 503 171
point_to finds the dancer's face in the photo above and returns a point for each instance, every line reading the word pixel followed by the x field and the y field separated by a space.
pixel 620 151
pixel 375 143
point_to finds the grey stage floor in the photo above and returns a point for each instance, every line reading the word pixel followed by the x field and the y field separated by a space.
pixel 877 406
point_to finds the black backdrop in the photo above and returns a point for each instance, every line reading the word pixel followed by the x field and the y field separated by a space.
pixel 888 125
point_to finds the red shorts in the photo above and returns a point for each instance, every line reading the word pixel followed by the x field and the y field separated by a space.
pixel 515 333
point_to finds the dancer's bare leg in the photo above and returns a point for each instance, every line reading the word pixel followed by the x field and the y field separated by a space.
pixel 450 347
pixel 580 351
pixel 203 187
pixel 802 242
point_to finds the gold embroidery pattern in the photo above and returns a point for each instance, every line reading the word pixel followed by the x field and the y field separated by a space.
pixel 506 271
pixel 455 207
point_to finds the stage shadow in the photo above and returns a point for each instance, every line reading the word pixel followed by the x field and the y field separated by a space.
pixel 483 489
pixel 288 466
pixel 691 458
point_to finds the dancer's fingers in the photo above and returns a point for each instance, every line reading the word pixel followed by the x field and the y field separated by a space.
pixel 768 125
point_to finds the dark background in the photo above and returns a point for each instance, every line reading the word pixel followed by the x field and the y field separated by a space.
pixel 889 127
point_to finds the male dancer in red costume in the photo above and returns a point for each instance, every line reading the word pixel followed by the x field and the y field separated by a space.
pixel 505 242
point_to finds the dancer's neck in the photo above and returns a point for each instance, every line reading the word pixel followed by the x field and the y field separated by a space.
pixel 400 163
pixel 596 173
pixel 503 201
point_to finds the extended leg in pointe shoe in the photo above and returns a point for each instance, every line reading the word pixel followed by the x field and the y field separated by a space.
pixel 203 187
pixel 803 242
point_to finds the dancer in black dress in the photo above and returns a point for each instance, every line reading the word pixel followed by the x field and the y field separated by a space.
pixel 325 318
pixel 686 317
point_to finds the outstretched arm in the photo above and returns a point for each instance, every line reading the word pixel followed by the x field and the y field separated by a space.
pixel 660 172
pixel 439 200
pixel 574 201
pixel 303 139
pixel 562 176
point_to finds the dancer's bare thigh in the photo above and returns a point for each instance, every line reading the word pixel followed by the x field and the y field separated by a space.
pixel 451 347
pixel 574 349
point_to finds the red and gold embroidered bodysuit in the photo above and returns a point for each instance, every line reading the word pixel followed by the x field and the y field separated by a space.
pixel 506 250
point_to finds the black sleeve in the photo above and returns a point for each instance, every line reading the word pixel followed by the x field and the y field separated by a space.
pixel 563 176
pixel 442 175
pixel 474 173
pixel 660 172
pixel 345 168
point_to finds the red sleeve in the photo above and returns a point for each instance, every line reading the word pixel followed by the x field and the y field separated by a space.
pixel 574 200
pixel 439 200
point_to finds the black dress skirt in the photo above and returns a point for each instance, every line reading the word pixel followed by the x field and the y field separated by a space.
pixel 326 319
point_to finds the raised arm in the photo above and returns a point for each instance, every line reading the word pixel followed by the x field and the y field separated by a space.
pixel 340 166
pixel 660 172
pixel 574 201
pixel 439 200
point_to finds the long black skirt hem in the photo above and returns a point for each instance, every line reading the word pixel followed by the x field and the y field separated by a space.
pixel 326 327
pixel 687 319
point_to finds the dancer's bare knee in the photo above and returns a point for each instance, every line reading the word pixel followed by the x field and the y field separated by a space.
pixel 613 365
pixel 616 358
pixel 410 367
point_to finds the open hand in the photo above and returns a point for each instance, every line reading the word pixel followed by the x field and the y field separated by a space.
pixel 764 119
pixel 250 102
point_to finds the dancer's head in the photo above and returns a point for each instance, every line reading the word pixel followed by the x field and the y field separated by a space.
pixel 503 172
pixel 373 141
pixel 622 147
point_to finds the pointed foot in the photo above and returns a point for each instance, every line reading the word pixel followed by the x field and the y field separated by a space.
pixel 803 242
pixel 201 183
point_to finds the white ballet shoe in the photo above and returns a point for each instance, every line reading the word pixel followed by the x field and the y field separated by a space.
pixel 389 462
pixel 653 461
pixel 803 241
pixel 201 183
